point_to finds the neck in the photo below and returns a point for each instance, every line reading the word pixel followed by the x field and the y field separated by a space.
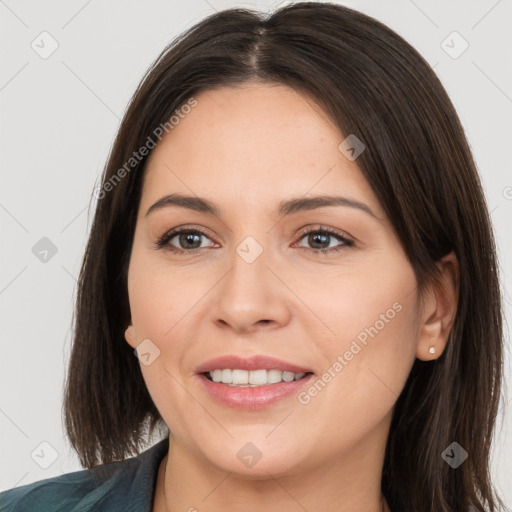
pixel 351 483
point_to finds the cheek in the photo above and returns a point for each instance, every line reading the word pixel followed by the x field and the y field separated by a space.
pixel 373 301
pixel 379 317
pixel 157 306
pixel 161 302
pixel 375 342
pixel 160 296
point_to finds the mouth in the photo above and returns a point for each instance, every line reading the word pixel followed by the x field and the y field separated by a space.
pixel 252 383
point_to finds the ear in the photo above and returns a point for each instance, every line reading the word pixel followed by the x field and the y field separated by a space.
pixel 130 335
pixel 439 310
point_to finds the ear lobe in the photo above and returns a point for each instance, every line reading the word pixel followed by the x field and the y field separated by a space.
pixel 130 336
pixel 440 307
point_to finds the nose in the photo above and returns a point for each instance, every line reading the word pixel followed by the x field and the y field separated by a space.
pixel 250 296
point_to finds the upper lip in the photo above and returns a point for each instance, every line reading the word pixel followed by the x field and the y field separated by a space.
pixel 257 362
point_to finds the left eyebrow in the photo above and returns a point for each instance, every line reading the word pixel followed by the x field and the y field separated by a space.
pixel 285 208
pixel 310 203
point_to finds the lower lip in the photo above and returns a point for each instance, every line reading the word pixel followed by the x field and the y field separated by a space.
pixel 255 397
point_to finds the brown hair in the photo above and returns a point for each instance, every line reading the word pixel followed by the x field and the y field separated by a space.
pixel 373 84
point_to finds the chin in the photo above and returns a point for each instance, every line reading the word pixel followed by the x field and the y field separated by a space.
pixel 256 460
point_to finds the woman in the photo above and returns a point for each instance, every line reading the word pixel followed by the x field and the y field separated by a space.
pixel 332 337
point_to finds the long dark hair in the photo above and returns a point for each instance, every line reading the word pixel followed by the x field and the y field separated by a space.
pixel 373 84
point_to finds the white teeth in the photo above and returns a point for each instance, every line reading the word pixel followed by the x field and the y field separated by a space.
pixel 245 378
pixel 274 376
pixel 288 376
pixel 258 377
pixel 240 377
pixel 216 375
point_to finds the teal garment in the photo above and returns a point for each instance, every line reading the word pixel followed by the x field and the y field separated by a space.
pixel 123 486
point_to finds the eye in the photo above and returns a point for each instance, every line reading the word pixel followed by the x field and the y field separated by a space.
pixel 321 237
pixel 186 238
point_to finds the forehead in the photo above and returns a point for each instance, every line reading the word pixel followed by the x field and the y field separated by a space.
pixel 253 142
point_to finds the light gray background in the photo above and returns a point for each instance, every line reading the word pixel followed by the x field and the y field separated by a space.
pixel 59 117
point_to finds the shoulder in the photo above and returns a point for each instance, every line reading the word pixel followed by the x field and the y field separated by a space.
pixel 107 487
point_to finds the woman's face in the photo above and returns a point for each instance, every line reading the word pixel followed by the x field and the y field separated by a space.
pixel 260 282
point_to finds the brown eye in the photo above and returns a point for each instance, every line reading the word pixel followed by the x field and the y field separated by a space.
pixel 319 240
pixel 186 240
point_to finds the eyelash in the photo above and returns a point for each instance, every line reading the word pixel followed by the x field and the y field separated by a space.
pixel 167 237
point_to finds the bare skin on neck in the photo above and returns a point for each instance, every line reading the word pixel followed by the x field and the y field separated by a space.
pixel 270 496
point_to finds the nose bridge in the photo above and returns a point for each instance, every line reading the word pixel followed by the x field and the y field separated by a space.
pixel 248 279
pixel 250 292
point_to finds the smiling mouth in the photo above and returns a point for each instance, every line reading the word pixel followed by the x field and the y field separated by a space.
pixel 252 378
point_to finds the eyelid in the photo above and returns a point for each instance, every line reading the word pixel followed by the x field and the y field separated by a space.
pixel 327 229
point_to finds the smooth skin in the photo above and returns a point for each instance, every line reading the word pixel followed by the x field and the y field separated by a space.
pixel 245 149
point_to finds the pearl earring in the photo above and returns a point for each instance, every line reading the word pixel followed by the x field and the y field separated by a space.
pixel 432 350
